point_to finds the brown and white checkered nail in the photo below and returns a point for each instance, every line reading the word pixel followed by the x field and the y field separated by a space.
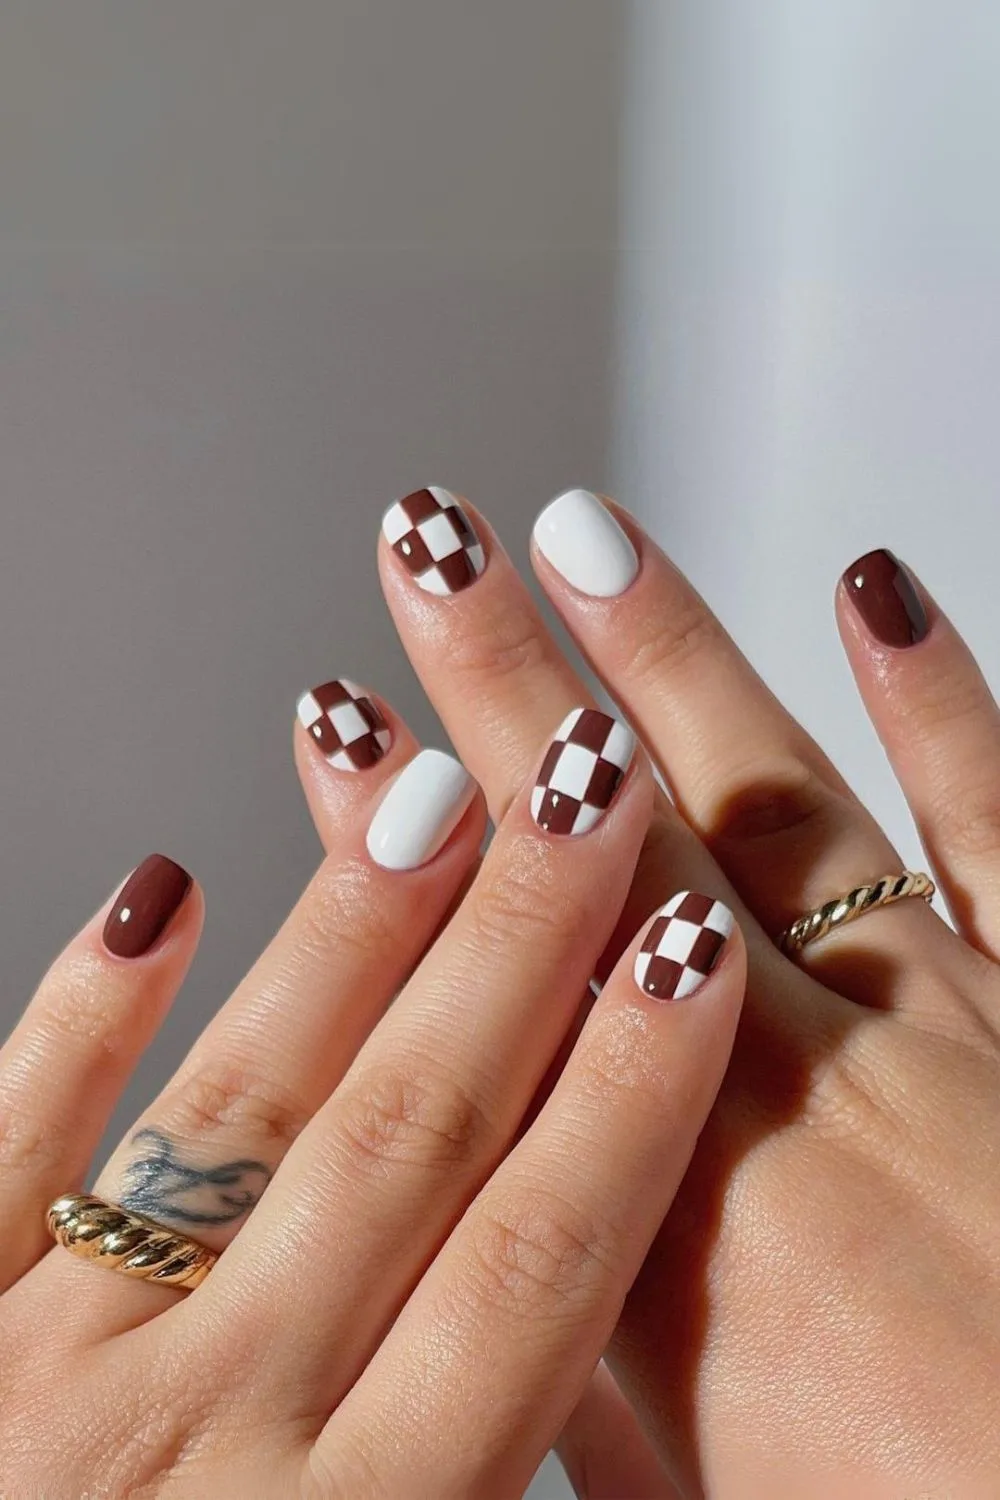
pixel 348 727
pixel 583 768
pixel 682 946
pixel 435 540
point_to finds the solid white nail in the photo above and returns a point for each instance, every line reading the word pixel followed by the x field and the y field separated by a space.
pixel 581 539
pixel 421 809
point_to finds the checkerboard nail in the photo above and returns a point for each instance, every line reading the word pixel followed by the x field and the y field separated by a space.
pixel 430 532
pixel 347 726
pixel 682 946
pixel 583 768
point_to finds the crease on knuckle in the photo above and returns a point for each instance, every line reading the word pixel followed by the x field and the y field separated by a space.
pixel 537 1255
pixel 522 903
pixel 344 914
pixel 502 643
pixel 31 1144
pixel 774 805
pixel 676 637
pixel 237 1098
pixel 410 1116
pixel 968 817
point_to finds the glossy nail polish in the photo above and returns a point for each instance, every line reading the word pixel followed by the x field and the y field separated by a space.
pixel 149 899
pixel 419 812
pixel 579 537
pixel 683 946
pixel 882 592
pixel 583 769
pixel 345 724
pixel 435 540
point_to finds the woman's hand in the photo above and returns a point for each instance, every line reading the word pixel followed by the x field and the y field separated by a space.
pixel 410 1301
pixel 820 1316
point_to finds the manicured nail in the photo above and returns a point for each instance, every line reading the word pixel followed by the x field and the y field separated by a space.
pixel 348 727
pixel 583 768
pixel 582 540
pixel 421 809
pixel 882 592
pixel 683 946
pixel 430 532
pixel 152 895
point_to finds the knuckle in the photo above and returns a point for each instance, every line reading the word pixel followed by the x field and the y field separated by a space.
pixel 971 817
pixel 536 1255
pixel 792 802
pixel 249 1105
pixel 32 1144
pixel 500 643
pixel 397 1116
pixel 343 914
pixel 676 636
pixel 522 902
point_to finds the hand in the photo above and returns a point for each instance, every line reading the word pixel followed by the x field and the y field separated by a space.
pixel 820 1316
pixel 408 1304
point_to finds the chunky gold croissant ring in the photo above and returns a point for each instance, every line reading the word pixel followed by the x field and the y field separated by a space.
pixel 123 1241
pixel 864 898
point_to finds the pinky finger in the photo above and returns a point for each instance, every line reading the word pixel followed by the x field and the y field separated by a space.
pixel 65 1064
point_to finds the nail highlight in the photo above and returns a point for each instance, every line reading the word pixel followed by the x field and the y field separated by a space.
pixel 581 539
pixel 682 946
pixel 149 899
pixel 882 591
pixel 583 768
pixel 435 540
pixel 347 726
pixel 419 812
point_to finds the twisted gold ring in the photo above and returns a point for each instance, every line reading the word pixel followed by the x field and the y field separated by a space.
pixel 863 899
pixel 115 1237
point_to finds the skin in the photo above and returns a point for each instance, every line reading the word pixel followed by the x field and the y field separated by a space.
pixel 820 1314
pixel 416 1287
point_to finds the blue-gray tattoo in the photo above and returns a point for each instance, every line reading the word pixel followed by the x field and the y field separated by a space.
pixel 161 1186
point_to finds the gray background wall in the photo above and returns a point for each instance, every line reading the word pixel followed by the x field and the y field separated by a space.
pixel 264 268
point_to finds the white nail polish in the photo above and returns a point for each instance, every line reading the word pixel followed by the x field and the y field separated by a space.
pixel 422 807
pixel 582 540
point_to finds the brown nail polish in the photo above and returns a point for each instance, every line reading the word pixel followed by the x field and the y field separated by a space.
pixel 683 946
pixel 583 769
pixel 346 724
pixel 882 592
pixel 151 896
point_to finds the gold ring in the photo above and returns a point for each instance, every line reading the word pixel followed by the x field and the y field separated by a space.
pixel 864 898
pixel 115 1237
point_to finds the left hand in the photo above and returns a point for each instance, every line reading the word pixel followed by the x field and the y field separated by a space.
pixel 820 1315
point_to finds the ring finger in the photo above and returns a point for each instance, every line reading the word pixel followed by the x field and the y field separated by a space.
pixel 200 1157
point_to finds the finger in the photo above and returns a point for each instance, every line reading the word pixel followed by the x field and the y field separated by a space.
pixel 64 1066
pixel 522 1300
pixel 940 726
pixel 605 1452
pixel 436 1096
pixel 200 1157
pixel 755 787
pixel 493 671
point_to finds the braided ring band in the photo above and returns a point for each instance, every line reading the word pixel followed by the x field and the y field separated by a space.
pixel 864 898
pixel 115 1237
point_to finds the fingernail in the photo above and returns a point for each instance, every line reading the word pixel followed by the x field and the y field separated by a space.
pixel 421 809
pixel 150 898
pixel 435 540
pixel 882 592
pixel 583 768
pixel 682 946
pixel 348 728
pixel 585 544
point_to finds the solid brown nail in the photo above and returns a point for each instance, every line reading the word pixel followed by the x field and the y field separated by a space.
pixel 883 593
pixel 150 898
